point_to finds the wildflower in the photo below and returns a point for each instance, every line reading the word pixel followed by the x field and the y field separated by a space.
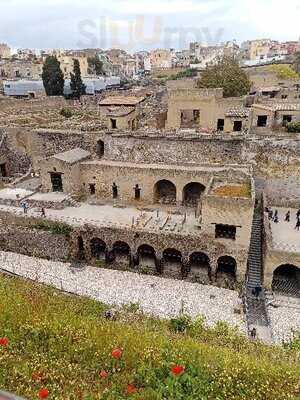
pixel 177 370
pixel 103 374
pixel 4 341
pixel 43 393
pixel 37 376
pixel 116 353
pixel 130 389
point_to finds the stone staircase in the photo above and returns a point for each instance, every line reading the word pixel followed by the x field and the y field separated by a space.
pixel 256 311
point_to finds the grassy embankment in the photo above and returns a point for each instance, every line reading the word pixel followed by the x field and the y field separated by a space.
pixel 62 343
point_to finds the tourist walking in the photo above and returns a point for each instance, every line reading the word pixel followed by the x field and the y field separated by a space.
pixel 270 214
pixel 275 216
pixel 287 216
pixel 298 224
pixel 25 207
pixel 253 333
pixel 43 213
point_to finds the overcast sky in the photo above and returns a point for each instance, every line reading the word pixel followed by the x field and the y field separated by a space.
pixel 144 24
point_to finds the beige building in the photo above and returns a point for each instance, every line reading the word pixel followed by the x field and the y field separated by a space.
pixel 120 112
pixel 159 59
pixel 5 50
pixel 206 109
pixel 18 69
pixel 67 65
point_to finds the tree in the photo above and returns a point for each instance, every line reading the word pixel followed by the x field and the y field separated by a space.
pixel 95 65
pixel 77 86
pixel 296 63
pixel 284 71
pixel 53 77
pixel 227 74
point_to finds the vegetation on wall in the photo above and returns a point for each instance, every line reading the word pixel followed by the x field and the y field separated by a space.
pixel 56 228
pixel 53 77
pixel 62 347
pixel 226 73
pixel 293 127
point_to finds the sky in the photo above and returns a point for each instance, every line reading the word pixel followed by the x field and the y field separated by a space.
pixel 144 24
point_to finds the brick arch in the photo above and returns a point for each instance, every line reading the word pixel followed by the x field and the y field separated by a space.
pixel 164 191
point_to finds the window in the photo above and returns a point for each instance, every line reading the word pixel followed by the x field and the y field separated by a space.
pixel 92 188
pixel 114 190
pixel 262 120
pixel 286 119
pixel 113 123
pixel 237 126
pixel 284 96
pixel 225 231
pixel 137 192
pixel 220 126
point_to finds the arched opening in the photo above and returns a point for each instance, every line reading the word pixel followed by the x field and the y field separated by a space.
pixel 200 265
pixel 98 248
pixel 172 261
pixel 165 192
pixel 121 251
pixel 286 280
pixel 147 256
pixel 226 268
pixel 100 148
pixel 192 193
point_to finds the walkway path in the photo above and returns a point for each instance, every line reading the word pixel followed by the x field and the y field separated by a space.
pixel 156 296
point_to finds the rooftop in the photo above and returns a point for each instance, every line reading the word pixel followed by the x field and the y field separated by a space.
pixel 73 156
pixel 121 100
pixel 119 111
pixel 241 112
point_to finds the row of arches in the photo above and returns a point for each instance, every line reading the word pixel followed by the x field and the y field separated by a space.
pixel 165 192
pixel 170 260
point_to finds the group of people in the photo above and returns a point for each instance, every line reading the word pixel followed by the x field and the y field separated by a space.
pixel 273 216
pixel 24 204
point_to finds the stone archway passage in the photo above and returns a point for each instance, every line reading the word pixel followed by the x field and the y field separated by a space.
pixel 191 193
pixel 172 262
pixel 286 280
pixel 98 248
pixel 165 192
pixel 226 268
pixel 121 251
pixel 200 266
pixel 147 257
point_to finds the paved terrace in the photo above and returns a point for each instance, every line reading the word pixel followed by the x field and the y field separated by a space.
pixel 156 296
pixel 285 236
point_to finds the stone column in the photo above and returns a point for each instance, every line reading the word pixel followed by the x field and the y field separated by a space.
pixel 159 262
pixel 185 268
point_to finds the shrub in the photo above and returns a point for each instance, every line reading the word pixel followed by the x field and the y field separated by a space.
pixel 293 127
pixel 66 112
pixel 180 324
pixel 56 228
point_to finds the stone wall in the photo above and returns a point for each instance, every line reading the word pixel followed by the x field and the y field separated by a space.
pixel 17 163
pixel 18 235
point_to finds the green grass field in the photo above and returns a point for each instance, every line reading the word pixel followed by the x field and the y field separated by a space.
pixel 62 343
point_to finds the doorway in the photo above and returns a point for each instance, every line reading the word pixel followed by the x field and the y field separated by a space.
pixel 56 181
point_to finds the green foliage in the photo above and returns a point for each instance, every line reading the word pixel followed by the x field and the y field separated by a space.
pixel 56 228
pixel 95 66
pixel 180 324
pixel 284 71
pixel 293 127
pixel 53 77
pixel 227 74
pixel 62 342
pixel 66 112
pixel 77 86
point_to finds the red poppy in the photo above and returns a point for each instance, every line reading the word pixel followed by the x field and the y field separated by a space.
pixel 43 393
pixel 116 353
pixel 103 374
pixel 177 370
pixel 4 341
pixel 130 389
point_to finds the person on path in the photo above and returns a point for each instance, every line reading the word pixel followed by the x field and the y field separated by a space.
pixel 43 214
pixel 297 224
pixel 287 216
